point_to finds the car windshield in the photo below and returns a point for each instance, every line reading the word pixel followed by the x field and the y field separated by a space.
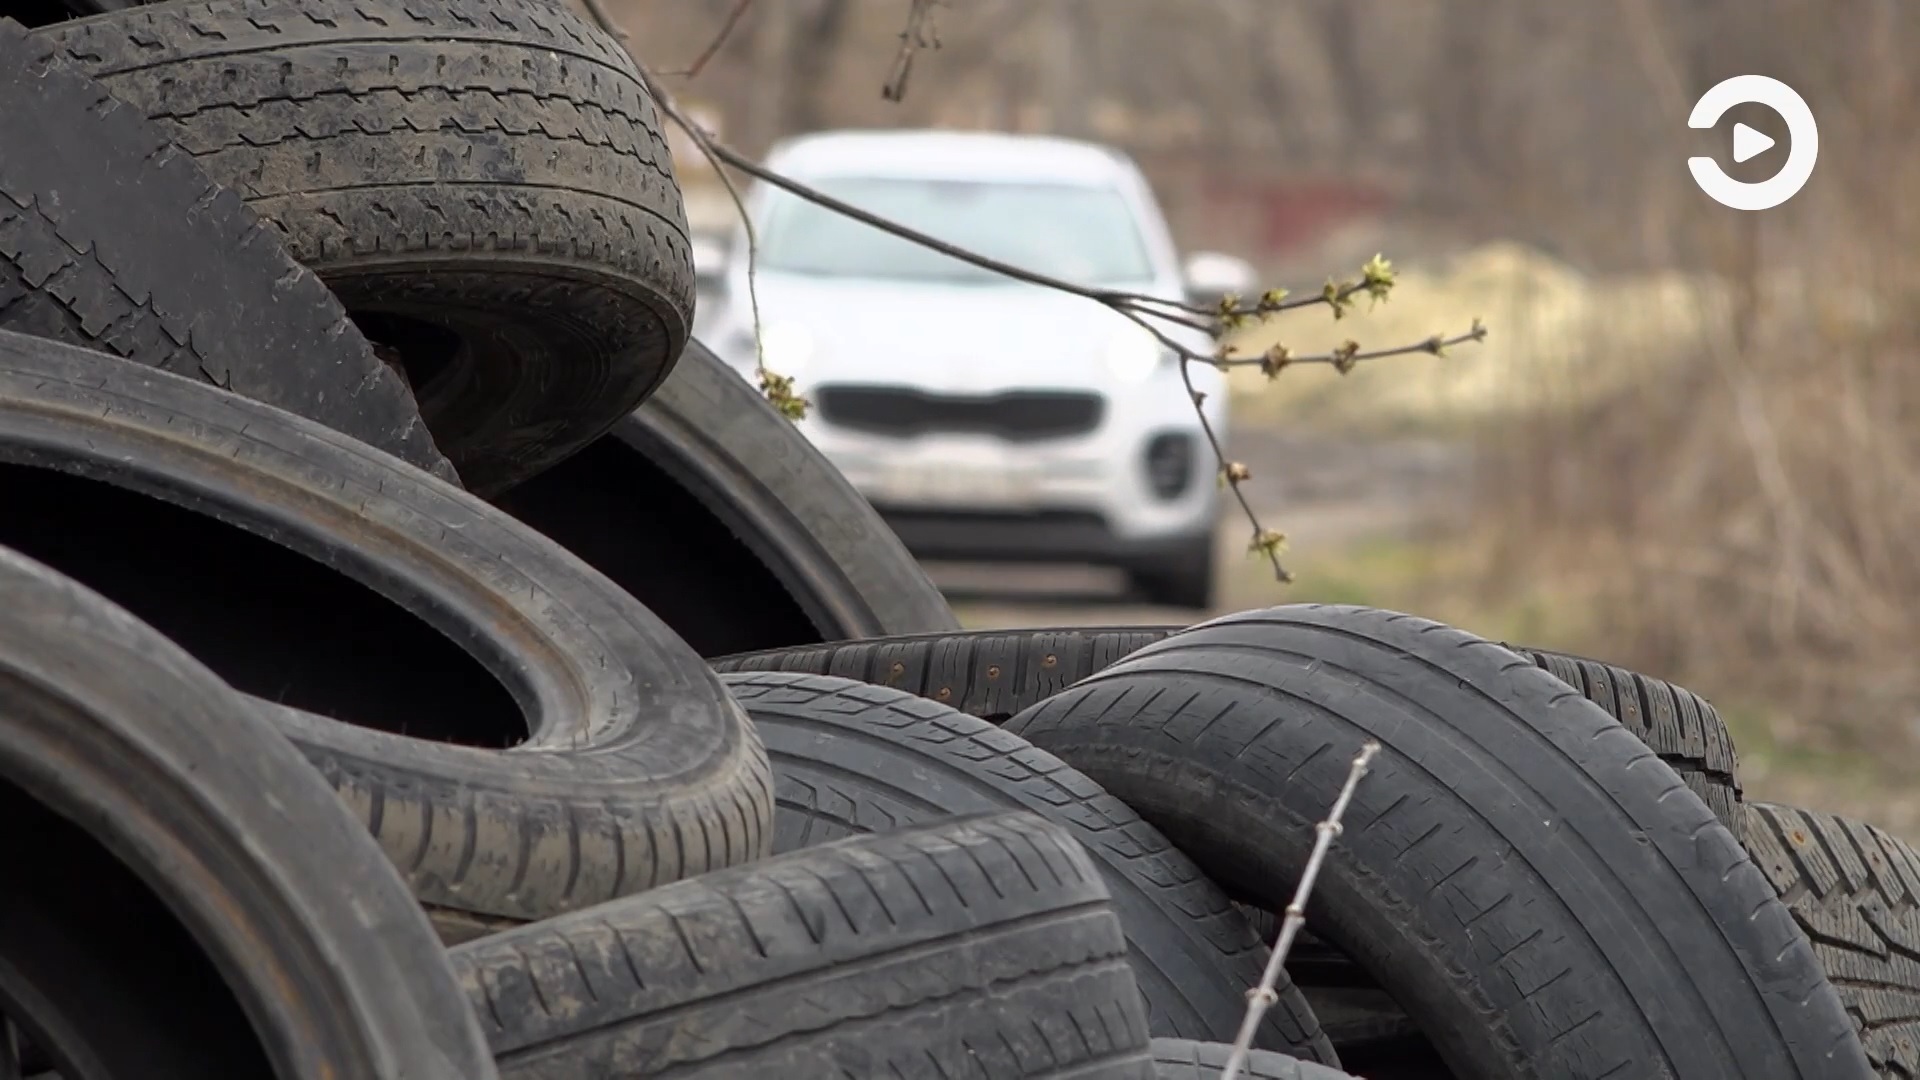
pixel 1085 235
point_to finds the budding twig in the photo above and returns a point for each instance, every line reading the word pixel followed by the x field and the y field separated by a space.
pixel 1376 281
pixel 1262 997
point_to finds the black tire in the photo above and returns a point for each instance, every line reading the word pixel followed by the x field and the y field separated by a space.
pixel 993 674
pixel 850 759
pixel 1184 1059
pixel 1183 579
pixel 1855 891
pixel 1538 890
pixel 323 576
pixel 983 947
pixel 483 183
pixel 184 278
pixel 231 919
pixel 1680 725
pixel 768 544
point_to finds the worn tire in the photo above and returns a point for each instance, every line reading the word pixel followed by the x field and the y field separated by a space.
pixel 1855 891
pixel 483 183
pixel 768 544
pixel 850 758
pixel 993 674
pixel 979 947
pixel 232 919
pixel 1540 892
pixel 634 767
pixel 183 278
pixel 1680 725
pixel 1185 1059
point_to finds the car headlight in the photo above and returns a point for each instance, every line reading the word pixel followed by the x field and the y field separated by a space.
pixel 786 348
pixel 1133 353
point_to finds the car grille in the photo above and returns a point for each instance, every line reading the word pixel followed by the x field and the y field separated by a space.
pixel 1017 416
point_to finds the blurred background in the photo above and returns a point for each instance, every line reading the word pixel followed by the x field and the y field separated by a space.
pixel 1688 445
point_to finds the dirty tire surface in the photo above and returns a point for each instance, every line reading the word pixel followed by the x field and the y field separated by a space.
pixel 183 278
pixel 769 544
pixel 240 891
pixel 633 768
pixel 850 759
pixel 482 172
pixel 993 674
pixel 1185 1059
pixel 1855 891
pixel 1520 872
pixel 976 947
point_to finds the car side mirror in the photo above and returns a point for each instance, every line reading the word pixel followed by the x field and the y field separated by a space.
pixel 1210 275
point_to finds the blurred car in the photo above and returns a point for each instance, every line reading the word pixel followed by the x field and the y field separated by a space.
pixel 985 418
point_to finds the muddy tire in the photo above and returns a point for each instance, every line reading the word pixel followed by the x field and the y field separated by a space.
pixel 483 183
pixel 1855 891
pixel 183 278
pixel 1184 1059
pixel 1522 874
pixel 769 544
pixel 199 904
pixel 404 632
pixel 993 674
pixel 850 759
pixel 982 947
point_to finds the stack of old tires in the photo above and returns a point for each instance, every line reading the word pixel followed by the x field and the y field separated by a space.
pixel 419 660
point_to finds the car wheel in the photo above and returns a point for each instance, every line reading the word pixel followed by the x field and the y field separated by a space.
pixel 1182 579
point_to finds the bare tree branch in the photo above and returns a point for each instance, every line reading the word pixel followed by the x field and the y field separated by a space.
pixel 1262 997
pixel 726 28
pixel 1376 280
pixel 919 34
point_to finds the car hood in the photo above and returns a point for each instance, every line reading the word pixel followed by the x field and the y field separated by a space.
pixel 970 339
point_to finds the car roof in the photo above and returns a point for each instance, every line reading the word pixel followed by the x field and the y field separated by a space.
pixel 951 155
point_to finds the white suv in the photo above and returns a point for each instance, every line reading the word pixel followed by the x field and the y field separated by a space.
pixel 987 419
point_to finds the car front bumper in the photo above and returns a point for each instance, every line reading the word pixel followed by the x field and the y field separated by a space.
pixel 1112 496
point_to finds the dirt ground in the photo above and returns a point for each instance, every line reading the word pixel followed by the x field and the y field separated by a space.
pixel 1333 495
